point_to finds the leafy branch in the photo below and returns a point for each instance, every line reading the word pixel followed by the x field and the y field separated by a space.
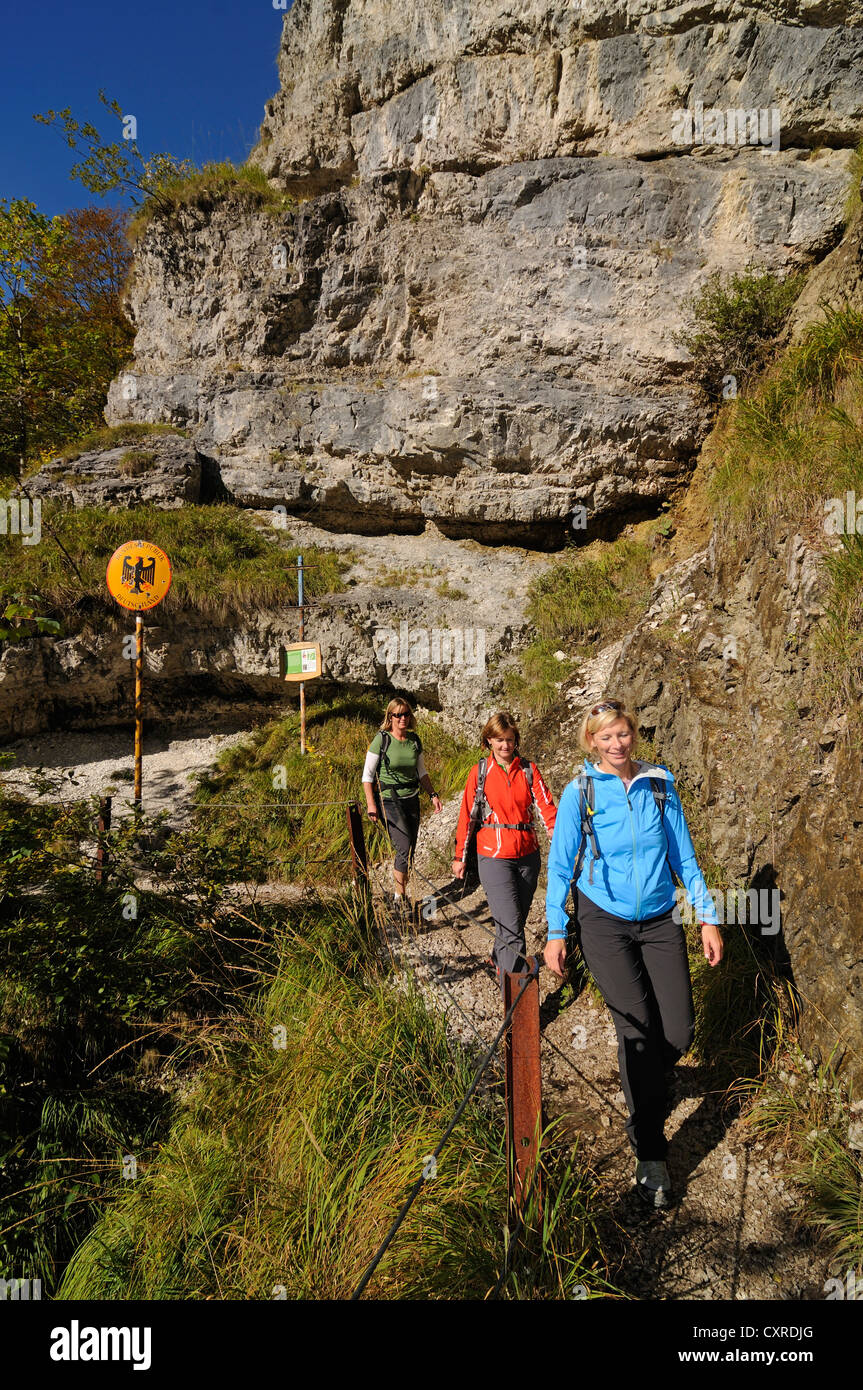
pixel 23 620
pixel 117 165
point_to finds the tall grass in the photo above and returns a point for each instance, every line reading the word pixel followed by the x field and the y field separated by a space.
pixel 222 563
pixel 581 600
pixel 241 799
pixel 801 1109
pixel 107 437
pixel 798 438
pixel 784 452
pixel 202 188
pixel 284 1172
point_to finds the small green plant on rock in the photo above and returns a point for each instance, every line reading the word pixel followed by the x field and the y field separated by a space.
pixel 737 319
pixel 137 461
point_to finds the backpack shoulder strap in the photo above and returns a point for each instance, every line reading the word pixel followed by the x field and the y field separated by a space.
pixel 660 794
pixel 527 768
pixel 657 786
pixel 586 795
pixel 385 743
pixel 477 812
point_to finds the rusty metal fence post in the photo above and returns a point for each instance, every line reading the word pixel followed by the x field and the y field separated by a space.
pixel 103 824
pixel 523 1089
pixel 359 862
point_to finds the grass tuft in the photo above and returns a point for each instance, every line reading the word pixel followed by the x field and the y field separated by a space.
pixel 223 565
pixel 213 183
pixel 577 603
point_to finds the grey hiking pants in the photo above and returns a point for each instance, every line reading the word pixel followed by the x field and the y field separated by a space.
pixel 643 975
pixel 509 887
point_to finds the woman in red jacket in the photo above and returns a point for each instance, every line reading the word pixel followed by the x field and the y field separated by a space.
pixel 506 843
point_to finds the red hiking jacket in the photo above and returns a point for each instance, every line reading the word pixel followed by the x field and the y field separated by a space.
pixel 508 795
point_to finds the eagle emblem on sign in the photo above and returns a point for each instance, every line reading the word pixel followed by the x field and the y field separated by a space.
pixel 142 572
pixel 138 575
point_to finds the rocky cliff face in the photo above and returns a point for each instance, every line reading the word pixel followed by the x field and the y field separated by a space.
pixel 466 329
pixel 470 317
pixel 722 672
pixel 366 88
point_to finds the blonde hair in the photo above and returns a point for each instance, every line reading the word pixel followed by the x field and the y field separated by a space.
pixel 592 723
pixel 500 724
pixel 397 706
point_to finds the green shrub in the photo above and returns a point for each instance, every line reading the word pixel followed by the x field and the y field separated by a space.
pixel 104 992
pixel 736 321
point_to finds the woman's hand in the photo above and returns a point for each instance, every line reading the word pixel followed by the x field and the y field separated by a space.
pixel 438 804
pixel 554 955
pixel 712 943
pixel 457 868
pixel 372 813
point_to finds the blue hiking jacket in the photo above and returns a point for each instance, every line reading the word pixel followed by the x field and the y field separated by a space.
pixel 632 878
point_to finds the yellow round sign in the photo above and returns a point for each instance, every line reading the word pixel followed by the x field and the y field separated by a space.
pixel 139 575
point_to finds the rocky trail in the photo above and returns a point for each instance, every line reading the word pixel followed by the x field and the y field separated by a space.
pixel 102 764
pixel 732 1232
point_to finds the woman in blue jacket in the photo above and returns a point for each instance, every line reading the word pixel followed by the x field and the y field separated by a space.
pixel 628 927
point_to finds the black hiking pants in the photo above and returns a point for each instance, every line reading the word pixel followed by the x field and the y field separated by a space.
pixel 643 975
pixel 402 816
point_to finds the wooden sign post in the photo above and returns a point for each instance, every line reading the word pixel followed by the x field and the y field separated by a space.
pixel 302 663
pixel 138 577
pixel 302 660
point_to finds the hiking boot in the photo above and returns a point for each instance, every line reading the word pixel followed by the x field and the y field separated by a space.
pixel 400 908
pixel 653 1182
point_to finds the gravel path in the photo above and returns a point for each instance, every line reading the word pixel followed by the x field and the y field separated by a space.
pixel 733 1231
pixel 100 764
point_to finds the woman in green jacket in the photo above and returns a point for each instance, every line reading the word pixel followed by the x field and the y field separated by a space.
pixel 395 759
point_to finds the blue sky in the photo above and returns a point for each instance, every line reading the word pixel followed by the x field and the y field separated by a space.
pixel 196 77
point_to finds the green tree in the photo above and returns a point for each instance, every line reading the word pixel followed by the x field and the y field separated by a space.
pixel 63 333
pixel 119 165
pixel 32 249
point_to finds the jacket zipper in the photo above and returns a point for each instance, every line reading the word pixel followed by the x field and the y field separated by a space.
pixel 634 858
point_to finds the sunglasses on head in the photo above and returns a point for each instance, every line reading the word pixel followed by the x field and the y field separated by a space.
pixel 607 704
